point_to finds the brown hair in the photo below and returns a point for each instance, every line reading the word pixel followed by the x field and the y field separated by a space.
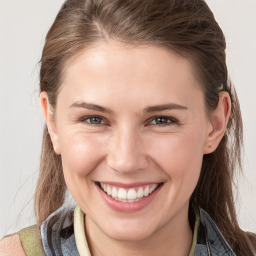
pixel 187 27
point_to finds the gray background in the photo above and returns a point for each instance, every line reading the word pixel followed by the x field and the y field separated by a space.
pixel 23 26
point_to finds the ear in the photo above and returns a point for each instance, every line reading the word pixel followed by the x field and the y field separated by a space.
pixel 219 121
pixel 49 119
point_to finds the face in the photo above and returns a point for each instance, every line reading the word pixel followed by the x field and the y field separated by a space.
pixel 131 127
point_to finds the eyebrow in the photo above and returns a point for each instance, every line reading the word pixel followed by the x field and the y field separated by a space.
pixel 90 106
pixel 164 107
pixel 150 109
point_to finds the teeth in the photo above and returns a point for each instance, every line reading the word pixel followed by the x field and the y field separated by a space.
pixel 146 191
pixel 109 190
pixel 152 189
pixel 128 195
pixel 140 193
pixel 114 192
pixel 131 195
pixel 121 193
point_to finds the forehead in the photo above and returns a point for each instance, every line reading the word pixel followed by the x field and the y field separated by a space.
pixel 114 56
pixel 118 70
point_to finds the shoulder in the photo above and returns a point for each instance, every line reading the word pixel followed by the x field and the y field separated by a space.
pixel 11 246
pixel 26 242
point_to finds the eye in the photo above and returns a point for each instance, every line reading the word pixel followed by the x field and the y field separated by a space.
pixel 92 120
pixel 163 121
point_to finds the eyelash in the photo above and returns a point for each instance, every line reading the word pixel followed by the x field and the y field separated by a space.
pixel 84 120
pixel 166 121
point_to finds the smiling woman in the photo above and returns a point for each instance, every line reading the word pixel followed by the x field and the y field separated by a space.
pixel 143 128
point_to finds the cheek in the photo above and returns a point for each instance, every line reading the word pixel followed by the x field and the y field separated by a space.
pixel 80 157
pixel 80 154
pixel 180 157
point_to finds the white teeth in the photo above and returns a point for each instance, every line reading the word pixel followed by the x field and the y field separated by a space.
pixel 109 190
pixel 114 192
pixel 128 195
pixel 140 193
pixel 121 193
pixel 146 191
pixel 131 195
pixel 152 189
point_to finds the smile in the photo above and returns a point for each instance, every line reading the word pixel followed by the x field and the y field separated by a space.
pixel 128 195
pixel 128 198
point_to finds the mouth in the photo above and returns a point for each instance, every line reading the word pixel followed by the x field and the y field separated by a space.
pixel 128 194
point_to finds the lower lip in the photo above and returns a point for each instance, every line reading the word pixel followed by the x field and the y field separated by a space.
pixel 128 206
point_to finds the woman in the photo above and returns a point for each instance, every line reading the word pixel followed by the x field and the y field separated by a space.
pixel 143 129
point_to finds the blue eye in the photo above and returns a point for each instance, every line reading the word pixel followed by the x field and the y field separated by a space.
pixel 163 120
pixel 93 120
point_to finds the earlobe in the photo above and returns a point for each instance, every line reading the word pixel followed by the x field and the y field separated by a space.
pixel 49 119
pixel 219 121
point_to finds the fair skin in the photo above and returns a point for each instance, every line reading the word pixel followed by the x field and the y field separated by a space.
pixel 150 126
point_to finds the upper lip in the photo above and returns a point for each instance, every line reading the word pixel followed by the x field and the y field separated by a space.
pixel 128 185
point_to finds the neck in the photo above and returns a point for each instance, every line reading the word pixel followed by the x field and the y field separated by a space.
pixel 174 238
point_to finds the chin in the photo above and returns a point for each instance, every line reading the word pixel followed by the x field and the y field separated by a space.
pixel 124 236
pixel 130 231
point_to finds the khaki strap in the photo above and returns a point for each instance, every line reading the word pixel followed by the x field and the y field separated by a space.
pixel 31 241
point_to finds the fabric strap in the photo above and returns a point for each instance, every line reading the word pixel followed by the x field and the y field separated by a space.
pixel 31 242
pixel 195 232
pixel 81 242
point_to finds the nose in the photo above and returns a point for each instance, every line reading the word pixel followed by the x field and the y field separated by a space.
pixel 126 152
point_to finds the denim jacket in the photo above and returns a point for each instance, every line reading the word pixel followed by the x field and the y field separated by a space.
pixel 58 239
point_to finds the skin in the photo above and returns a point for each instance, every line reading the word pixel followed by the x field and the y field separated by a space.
pixel 129 146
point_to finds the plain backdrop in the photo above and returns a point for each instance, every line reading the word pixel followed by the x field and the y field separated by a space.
pixel 23 26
